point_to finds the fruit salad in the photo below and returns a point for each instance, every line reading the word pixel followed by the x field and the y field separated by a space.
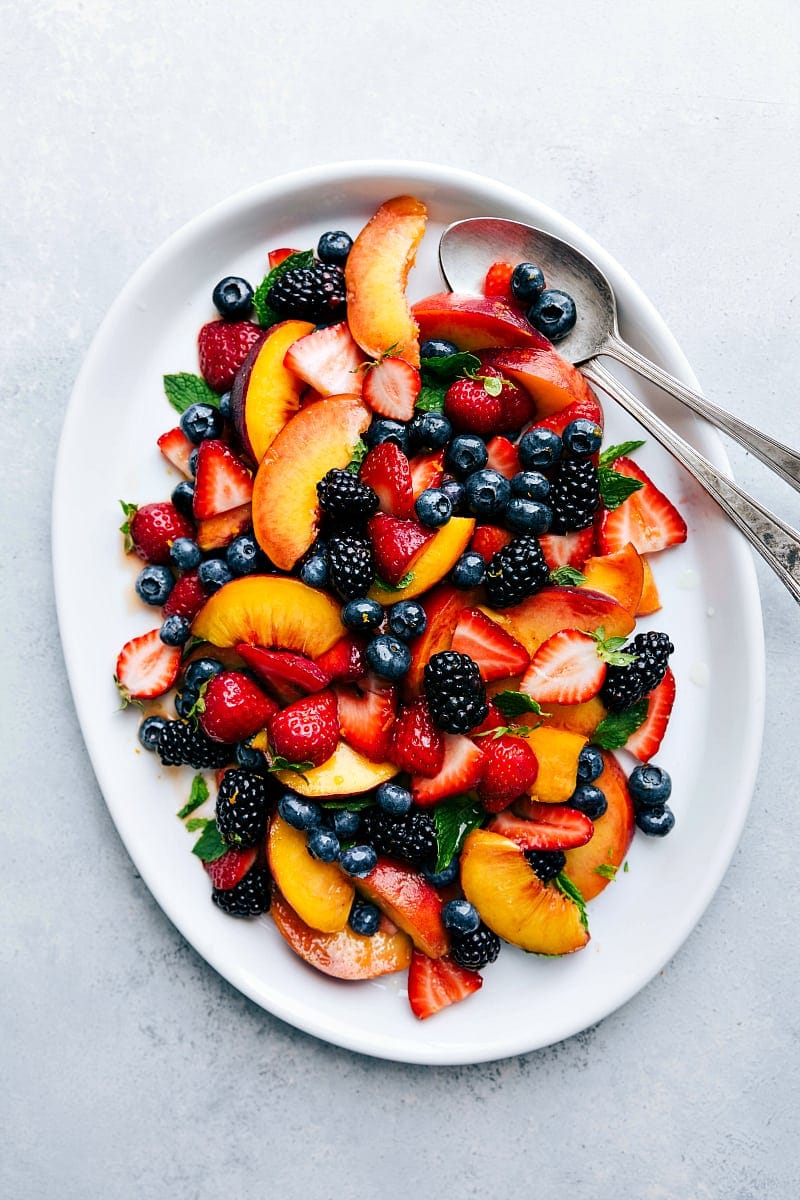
pixel 397 590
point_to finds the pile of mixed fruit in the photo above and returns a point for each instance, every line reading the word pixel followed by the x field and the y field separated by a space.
pixel 399 584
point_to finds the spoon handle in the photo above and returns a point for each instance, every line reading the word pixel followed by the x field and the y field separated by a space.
pixel 782 459
pixel 776 542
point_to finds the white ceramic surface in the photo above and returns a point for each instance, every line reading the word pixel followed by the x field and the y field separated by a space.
pixel 708 587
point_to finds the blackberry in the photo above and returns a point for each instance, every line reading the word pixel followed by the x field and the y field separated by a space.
pixel 351 565
pixel 242 808
pixel 474 950
pixel 343 497
pixel 574 495
pixel 625 686
pixel 410 835
pixel 310 294
pixel 455 692
pixel 183 743
pixel 250 896
pixel 516 572
pixel 546 863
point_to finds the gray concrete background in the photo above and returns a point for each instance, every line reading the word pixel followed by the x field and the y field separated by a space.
pixel 670 132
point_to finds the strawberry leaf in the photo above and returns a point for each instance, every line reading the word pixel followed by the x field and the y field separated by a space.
pixel 197 796
pixel 454 818
pixel 491 384
pixel 209 846
pixel 615 488
pixel 264 314
pixel 184 390
pixel 565 885
pixel 514 704
pixel 614 730
pixel 567 577
pixel 125 527
pixel 611 454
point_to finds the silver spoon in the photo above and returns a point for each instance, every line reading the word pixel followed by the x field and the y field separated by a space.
pixel 466 251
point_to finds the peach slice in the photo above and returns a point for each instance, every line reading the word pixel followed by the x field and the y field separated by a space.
pixel 442 609
pixel 215 532
pixel 343 954
pixel 319 892
pixel 376 275
pixel 410 902
pixel 270 611
pixel 619 575
pixel 439 556
pixel 513 901
pixel 547 377
pixel 650 601
pixel 591 867
pixel 346 773
pixel 557 751
pixel 265 393
pixel 554 608
pixel 319 437
pixel 579 718
pixel 474 322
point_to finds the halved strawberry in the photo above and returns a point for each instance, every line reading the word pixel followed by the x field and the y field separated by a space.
pixel 288 675
pixel 176 448
pixel 567 549
pixel 496 652
pixel 231 868
pixel 276 257
pixel 366 716
pixel 222 347
pixel 461 770
pixel 647 518
pixel 417 745
pixel 426 471
pixel 396 544
pixel 186 598
pixel 308 730
pixel 566 669
pixel 222 481
pixel 435 983
pixel 498 281
pixel 328 359
pixel 587 408
pixel 233 707
pixel 503 457
pixel 391 388
pixel 488 539
pixel 645 742
pixel 344 662
pixel 558 827
pixel 387 471
pixel 146 667
pixel 510 767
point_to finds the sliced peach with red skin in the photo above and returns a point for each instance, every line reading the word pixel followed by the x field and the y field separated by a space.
pixel 376 275
pixel 410 902
pixel 265 393
pixel 344 954
pixel 554 608
pixel 474 322
pixel 319 892
pixel 443 606
pixel 549 379
pixel 592 867
pixel 321 436
pixel 619 575
pixel 345 773
pixel 513 901
pixel 215 532
pixel 438 557
pixel 557 751
pixel 270 611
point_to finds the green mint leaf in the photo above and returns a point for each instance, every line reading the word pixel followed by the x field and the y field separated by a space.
pixel 264 314
pixel 567 577
pixel 615 488
pixel 360 452
pixel 454 818
pixel 625 867
pixel 209 846
pixel 514 704
pixel 450 367
pixel 353 803
pixel 614 730
pixel 195 823
pixel 184 390
pixel 278 763
pixel 614 452
pixel 431 398
pixel 197 796
pixel 565 885
pixel 609 650
pixel 607 870
pixel 405 582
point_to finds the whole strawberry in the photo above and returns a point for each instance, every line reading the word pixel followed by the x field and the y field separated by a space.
pixel 474 407
pixel 233 707
pixel 509 770
pixel 150 530
pixel 306 731
pixel 186 598
pixel 223 346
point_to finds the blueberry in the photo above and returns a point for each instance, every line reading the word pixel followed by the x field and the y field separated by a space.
pixel 466 453
pixel 244 556
pixel 250 759
pixel 202 421
pixel 323 844
pixel 213 574
pixel 429 431
pixel 314 571
pixel 362 614
pixel 344 822
pixel 437 348
pixel 528 516
pixel 388 657
pixel 553 314
pixel 175 630
pixel 588 799
pixel 225 406
pixel 442 878
pixel 655 822
pixel 193 457
pixel 433 508
pixel 582 438
pixel 200 671
pixel 183 499
pixel 650 786
pixel 539 448
pixel 384 429
pixel 488 493
pixel 393 798
pixel 185 553
pixel 590 764
pixel 150 731
pixel 364 918
pixel 407 619
pixel 185 701
pixel 530 485
pixel 233 298
pixel 461 916
pixel 154 585
pixel 527 282
pixel 299 813
pixel 455 492
pixel 334 247
pixel 468 571
pixel 358 860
